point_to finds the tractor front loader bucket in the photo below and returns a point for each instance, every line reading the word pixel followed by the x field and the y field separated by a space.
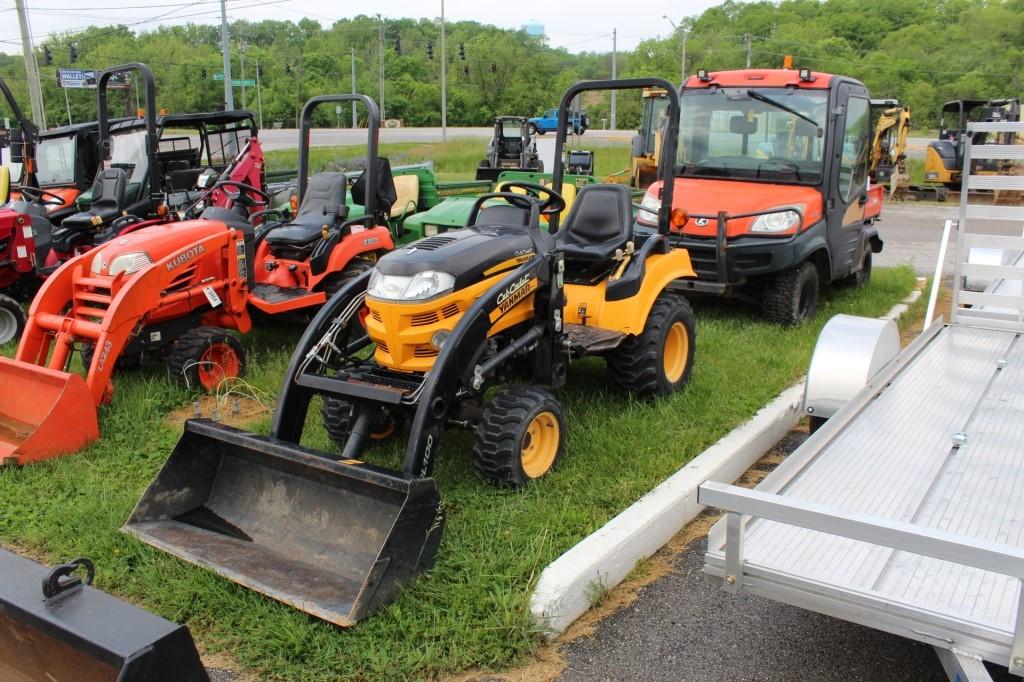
pixel 43 413
pixel 333 539
pixel 55 628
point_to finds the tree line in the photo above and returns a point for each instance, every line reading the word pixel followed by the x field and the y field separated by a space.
pixel 923 52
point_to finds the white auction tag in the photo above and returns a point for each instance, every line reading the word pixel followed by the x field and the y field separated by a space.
pixel 212 296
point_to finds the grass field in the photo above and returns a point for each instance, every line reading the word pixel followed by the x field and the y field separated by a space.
pixel 471 611
pixel 456 160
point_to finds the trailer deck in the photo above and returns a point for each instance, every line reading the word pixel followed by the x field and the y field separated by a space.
pixel 904 511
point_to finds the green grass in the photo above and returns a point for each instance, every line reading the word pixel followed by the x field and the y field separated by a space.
pixel 471 611
pixel 455 160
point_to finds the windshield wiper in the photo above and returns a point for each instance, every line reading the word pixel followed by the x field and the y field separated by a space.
pixel 779 105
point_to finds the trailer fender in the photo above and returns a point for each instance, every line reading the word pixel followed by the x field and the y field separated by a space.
pixel 850 352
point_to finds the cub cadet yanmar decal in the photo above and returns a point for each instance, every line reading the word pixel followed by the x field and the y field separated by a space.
pixel 185 257
pixel 516 292
pixel 518 258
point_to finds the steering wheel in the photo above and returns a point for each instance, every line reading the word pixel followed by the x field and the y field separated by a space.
pixel 552 205
pixel 241 193
pixel 38 195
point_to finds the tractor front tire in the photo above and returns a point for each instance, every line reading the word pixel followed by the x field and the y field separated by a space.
pixel 520 436
pixel 12 320
pixel 658 361
pixel 533 129
pixel 205 356
pixel 339 416
pixel 792 295
pixel 338 281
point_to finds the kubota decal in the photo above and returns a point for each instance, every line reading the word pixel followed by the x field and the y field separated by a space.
pixel 185 257
pixel 103 355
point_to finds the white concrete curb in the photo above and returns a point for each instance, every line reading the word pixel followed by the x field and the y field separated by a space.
pixel 604 558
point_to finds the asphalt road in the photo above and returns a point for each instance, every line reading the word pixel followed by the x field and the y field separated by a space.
pixel 683 628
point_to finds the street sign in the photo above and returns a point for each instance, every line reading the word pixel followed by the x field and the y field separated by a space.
pixel 243 82
pixel 73 78
pixel 218 76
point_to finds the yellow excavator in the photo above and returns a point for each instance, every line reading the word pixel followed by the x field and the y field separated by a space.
pixel 944 158
pixel 647 141
pixel 889 144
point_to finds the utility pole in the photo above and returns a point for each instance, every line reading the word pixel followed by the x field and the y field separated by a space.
pixel 444 84
pixel 615 73
pixel 682 38
pixel 748 39
pixel 354 119
pixel 380 49
pixel 225 46
pixel 241 69
pixel 35 88
pixel 259 92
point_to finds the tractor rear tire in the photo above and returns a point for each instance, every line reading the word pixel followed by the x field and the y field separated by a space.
pixel 205 356
pixel 792 295
pixel 12 320
pixel 336 282
pixel 339 417
pixel 658 361
pixel 533 129
pixel 520 436
pixel 861 278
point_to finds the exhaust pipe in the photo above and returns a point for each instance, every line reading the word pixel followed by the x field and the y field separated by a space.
pixel 43 413
pixel 333 539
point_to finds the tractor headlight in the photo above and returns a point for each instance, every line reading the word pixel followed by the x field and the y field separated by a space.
pixel 648 215
pixel 779 221
pixel 418 287
pixel 429 230
pixel 127 262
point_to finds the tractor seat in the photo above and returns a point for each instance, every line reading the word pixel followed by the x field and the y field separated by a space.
pixel 323 204
pixel 504 215
pixel 599 223
pixel 107 206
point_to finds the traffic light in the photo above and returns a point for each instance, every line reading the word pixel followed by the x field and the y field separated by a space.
pixel 74 53
pixel 462 51
pixel 465 69
pixel 202 73
pixel 494 68
pixel 259 70
pixel 47 57
pixel 287 69
pixel 398 46
pixel 430 49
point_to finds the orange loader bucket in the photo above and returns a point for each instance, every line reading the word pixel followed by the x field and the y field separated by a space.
pixel 43 413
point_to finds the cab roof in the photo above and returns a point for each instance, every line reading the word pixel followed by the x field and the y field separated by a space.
pixel 762 78
pixel 207 118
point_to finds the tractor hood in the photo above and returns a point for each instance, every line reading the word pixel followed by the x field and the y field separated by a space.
pixel 705 197
pixel 469 255
pixel 153 244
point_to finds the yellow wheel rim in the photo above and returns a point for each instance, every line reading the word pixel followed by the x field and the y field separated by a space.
pixel 677 349
pixel 540 444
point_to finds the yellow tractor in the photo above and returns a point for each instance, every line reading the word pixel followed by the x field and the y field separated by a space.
pixel 473 329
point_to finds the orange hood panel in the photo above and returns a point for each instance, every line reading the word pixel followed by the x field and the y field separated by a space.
pixel 705 197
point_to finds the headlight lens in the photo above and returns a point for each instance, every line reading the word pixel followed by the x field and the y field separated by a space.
pixel 779 221
pixel 127 262
pixel 429 230
pixel 648 215
pixel 418 287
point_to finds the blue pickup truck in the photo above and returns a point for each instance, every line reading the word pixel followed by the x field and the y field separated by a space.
pixel 548 122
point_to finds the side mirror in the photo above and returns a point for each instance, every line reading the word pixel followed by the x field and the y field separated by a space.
pixel 739 125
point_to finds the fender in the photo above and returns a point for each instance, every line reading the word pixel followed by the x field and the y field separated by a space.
pixel 356 243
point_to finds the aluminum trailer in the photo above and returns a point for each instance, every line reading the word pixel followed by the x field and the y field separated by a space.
pixel 903 510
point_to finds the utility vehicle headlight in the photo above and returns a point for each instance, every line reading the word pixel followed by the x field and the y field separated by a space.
pixel 128 262
pixel 648 215
pixel 429 230
pixel 418 287
pixel 779 221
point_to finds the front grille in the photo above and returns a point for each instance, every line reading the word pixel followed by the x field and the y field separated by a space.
pixel 424 351
pixel 383 347
pixel 377 317
pixel 424 319
pixel 450 310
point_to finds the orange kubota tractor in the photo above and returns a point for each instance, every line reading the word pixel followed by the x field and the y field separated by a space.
pixel 175 289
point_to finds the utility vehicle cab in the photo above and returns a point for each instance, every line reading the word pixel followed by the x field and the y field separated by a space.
pixel 772 174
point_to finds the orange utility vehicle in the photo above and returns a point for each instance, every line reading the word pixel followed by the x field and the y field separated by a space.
pixel 772 171
pixel 175 290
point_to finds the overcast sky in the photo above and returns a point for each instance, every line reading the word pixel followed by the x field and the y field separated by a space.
pixel 574 25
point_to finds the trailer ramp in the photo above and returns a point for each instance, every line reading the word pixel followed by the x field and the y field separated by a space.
pixel 903 512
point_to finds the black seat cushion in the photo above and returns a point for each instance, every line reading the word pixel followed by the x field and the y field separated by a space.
pixel 503 214
pixel 323 204
pixel 599 223
pixel 109 189
pixel 181 179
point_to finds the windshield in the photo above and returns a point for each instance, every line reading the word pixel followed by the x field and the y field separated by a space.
pixel 128 151
pixel 55 161
pixel 727 133
pixel 655 120
pixel 511 129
